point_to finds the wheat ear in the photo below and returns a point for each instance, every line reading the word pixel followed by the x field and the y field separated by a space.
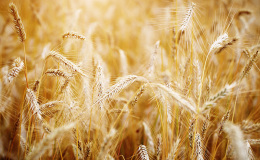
pixel 73 35
pixel 142 153
pixel 57 73
pixel 219 43
pixel 36 85
pixel 249 65
pixel 189 105
pixel 17 66
pixel 107 143
pixel 173 152
pixel 225 45
pixel 198 147
pixel 119 86
pixel 254 141
pixel 17 22
pixel 219 95
pixel 148 134
pixel 188 17
pixel 235 136
pixel 66 62
pixel 223 121
pixel 138 94
pixel 159 147
pixel 32 100
pixel 251 128
pixel 191 131
pixel 46 142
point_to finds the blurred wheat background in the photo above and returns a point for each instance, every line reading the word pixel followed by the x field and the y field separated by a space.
pixel 129 79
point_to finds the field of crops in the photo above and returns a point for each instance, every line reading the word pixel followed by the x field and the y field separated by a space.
pixel 130 79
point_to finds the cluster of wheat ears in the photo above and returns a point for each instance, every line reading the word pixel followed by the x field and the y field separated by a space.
pixel 112 79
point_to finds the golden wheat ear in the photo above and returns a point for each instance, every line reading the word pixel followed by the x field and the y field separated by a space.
pixel 32 100
pixel 67 63
pixel 17 22
pixel 17 66
pixel 249 65
pixel 142 153
pixel 57 73
pixel 47 141
pixel 73 35
pixel 198 147
pixel 236 138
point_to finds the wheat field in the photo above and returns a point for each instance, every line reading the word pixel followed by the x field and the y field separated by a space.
pixel 129 79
